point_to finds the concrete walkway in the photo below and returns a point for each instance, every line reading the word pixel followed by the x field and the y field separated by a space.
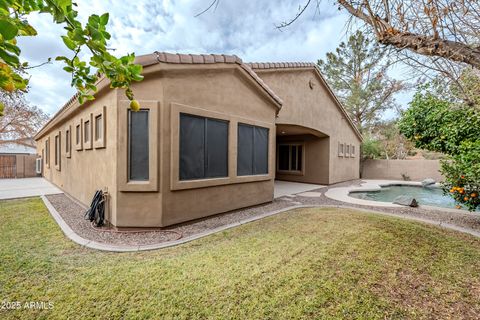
pixel 285 188
pixel 26 187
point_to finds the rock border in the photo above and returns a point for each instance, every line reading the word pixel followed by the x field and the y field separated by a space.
pixel 123 248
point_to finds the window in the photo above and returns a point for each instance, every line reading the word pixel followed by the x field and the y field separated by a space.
pixel 78 134
pixel 98 127
pixel 347 150
pixel 99 132
pixel 352 151
pixel 203 147
pixel 86 132
pixel 58 149
pixel 138 151
pixel 252 150
pixel 68 142
pixel 290 157
pixel 47 152
pixel 137 146
pixel 340 149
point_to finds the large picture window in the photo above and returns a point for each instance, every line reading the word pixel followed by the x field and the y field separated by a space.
pixel 252 152
pixel 138 151
pixel 290 157
pixel 203 147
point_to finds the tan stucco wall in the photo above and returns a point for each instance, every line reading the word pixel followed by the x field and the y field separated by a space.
pixel 225 90
pixel 315 108
pixel 416 170
pixel 86 170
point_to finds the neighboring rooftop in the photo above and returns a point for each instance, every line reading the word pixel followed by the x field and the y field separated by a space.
pixel 14 147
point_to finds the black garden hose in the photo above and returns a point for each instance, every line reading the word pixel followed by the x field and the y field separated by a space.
pixel 96 212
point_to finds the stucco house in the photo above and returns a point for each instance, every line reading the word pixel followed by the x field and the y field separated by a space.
pixel 212 135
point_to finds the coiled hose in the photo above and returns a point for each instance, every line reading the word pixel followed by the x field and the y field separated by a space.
pixel 96 213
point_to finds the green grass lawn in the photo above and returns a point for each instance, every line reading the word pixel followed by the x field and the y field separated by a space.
pixel 309 263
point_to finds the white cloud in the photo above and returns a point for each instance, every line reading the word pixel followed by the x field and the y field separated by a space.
pixel 245 28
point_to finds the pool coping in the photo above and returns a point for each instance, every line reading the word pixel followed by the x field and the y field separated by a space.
pixel 342 194
pixel 91 244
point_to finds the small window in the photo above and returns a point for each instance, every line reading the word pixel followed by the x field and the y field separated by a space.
pixel 78 134
pixel 340 149
pixel 68 142
pixel 203 147
pixel 86 131
pixel 58 151
pixel 352 151
pixel 290 157
pixel 98 127
pixel 252 150
pixel 138 146
pixel 347 150
pixel 47 152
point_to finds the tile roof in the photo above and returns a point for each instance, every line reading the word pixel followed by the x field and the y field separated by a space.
pixel 279 65
pixel 165 57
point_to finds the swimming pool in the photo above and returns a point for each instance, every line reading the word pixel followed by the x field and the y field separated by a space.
pixel 430 196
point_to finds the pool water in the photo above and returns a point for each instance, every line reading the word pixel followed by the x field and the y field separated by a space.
pixel 430 196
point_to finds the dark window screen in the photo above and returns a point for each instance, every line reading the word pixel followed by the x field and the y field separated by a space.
pixel 245 150
pixel 216 149
pixel 252 151
pixel 138 153
pixel 260 152
pixel 203 147
pixel 67 141
pixel 192 146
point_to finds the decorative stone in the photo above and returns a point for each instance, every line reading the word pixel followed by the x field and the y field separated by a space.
pixel 406 201
pixel 428 182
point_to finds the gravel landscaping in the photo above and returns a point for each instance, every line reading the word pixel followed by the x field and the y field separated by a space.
pixel 73 214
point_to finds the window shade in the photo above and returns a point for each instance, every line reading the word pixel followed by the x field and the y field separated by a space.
pixel 138 151
pixel 203 147
pixel 252 150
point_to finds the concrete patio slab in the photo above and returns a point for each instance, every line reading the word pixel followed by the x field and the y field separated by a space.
pixel 26 187
pixel 310 194
pixel 287 188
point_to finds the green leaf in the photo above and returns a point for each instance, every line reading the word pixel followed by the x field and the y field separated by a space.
pixel 69 43
pixel 8 29
pixel 104 19
pixel 9 58
pixel 12 48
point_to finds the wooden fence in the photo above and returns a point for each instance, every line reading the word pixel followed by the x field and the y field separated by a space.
pixel 17 166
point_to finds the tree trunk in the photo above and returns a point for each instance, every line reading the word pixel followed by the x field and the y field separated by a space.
pixel 428 46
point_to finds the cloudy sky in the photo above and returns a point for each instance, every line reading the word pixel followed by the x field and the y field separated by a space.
pixel 245 28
